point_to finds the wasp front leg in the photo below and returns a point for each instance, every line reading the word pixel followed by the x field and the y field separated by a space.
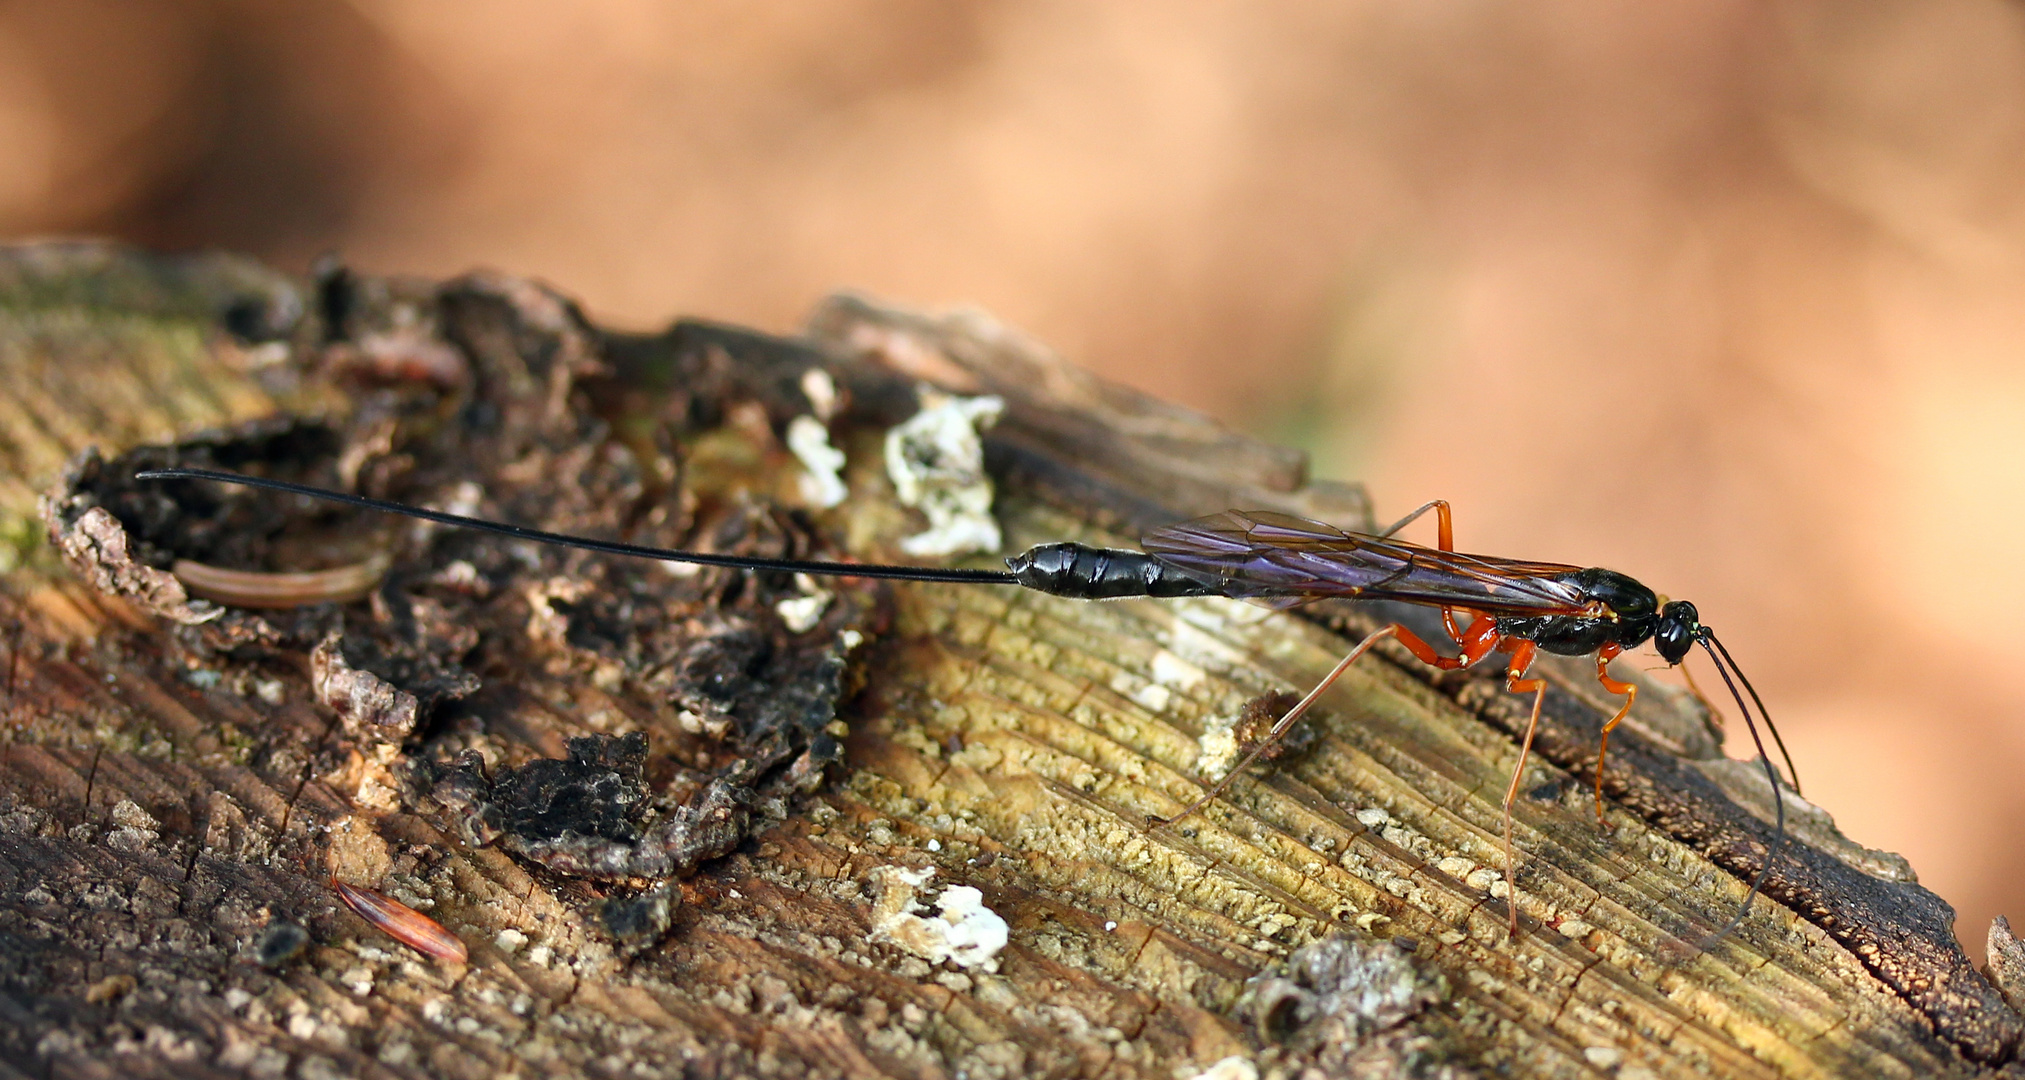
pixel 1630 694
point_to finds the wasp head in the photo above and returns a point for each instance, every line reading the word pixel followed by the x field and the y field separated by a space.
pixel 1679 625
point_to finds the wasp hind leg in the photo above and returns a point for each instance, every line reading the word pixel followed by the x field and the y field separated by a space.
pixel 1479 641
pixel 1522 653
pixel 1287 721
pixel 1440 508
pixel 1464 634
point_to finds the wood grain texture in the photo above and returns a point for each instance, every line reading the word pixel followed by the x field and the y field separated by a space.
pixel 162 801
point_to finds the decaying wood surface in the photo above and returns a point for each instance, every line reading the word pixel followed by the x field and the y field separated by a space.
pixel 179 782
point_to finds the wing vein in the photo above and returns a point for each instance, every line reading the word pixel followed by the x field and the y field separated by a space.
pixel 1284 560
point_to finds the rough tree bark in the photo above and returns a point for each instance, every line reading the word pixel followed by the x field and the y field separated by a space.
pixel 180 779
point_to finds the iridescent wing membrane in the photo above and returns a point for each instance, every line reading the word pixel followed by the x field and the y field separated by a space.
pixel 1284 561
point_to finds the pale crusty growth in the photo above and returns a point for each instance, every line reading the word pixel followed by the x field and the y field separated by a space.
pixel 936 460
pixel 95 545
pixel 370 707
pixel 963 930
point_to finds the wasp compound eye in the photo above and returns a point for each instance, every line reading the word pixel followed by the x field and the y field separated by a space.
pixel 1678 622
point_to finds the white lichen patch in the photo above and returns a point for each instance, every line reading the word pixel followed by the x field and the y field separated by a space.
pixel 1217 749
pixel 936 460
pixel 821 390
pixel 963 930
pixel 1603 1057
pixel 1574 929
pixel 1482 878
pixel 1172 671
pixel 1456 866
pixel 1153 697
pixel 465 500
pixel 358 979
pixel 801 613
pixel 1400 836
pixel 544 623
pixel 1230 1068
pixel 822 464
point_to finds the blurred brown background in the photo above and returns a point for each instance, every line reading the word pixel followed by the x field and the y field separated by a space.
pixel 1725 295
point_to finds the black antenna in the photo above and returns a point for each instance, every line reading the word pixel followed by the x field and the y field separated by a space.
pixel 608 547
pixel 1707 638
pixel 1769 725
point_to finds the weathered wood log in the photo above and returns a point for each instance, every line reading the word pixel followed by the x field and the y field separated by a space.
pixel 180 779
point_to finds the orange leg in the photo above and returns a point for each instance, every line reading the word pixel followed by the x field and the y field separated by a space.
pixel 1445 540
pixel 1630 692
pixel 1715 714
pixel 1521 653
pixel 1477 640
pixel 1477 627
pixel 1446 529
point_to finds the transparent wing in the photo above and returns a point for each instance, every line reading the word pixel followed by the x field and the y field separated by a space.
pixel 1282 560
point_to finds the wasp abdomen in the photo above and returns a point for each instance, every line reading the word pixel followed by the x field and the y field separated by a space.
pixel 1080 572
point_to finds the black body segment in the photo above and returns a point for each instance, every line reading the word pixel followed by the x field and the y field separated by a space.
pixel 1627 615
pixel 1080 572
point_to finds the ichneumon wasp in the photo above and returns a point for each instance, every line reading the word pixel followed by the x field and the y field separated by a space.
pixel 1508 606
